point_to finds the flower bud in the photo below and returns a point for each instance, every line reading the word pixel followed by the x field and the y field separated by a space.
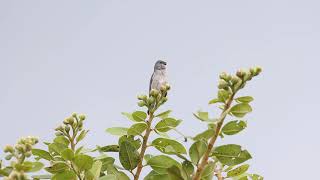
pixel 141 103
pixel 8 148
pixel 154 92
pixel 28 147
pixel 142 97
pixel 151 100
pixel 80 124
pixel 235 79
pixel 258 70
pixel 67 129
pixel 28 154
pixel 168 87
pixel 8 157
pixel 66 121
pixel 59 134
pixel 163 88
pixel 223 75
pixel 82 117
pixel 240 73
pixel 59 128
pixel 222 84
pixel 74 115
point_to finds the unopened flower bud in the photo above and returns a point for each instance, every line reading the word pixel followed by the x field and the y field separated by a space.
pixel 59 128
pixel 59 134
pixel 154 92
pixel 235 79
pixel 66 121
pixel 164 99
pixel 28 154
pixel 222 84
pixel 240 73
pixel 67 128
pixel 82 117
pixel 257 70
pixel 163 88
pixel 8 148
pixel 80 124
pixel 142 97
pixel 8 157
pixel 141 103
pixel 168 87
pixel 28 147
pixel 74 115
pixel 151 100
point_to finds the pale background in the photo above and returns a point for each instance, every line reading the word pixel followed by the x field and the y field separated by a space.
pixel 94 57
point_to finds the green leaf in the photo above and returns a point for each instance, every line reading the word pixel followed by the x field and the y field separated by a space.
pixel 5 171
pixel 202 116
pixel 94 172
pixel 128 115
pixel 244 99
pixel 147 157
pixel 57 147
pixel 137 128
pixel 25 166
pixel 45 176
pixel 213 101
pixel 187 169
pixel 153 175
pixel 36 166
pixel 197 150
pixel 42 154
pixel 57 167
pixel 67 154
pixel 240 110
pixel 238 171
pixel 174 173
pixel 167 124
pixel 223 95
pixel 83 162
pixel 162 134
pixel 161 163
pixel 119 174
pixel 136 143
pixel 139 116
pixel 109 148
pixel 168 146
pixel 62 140
pixel 70 175
pixel 82 135
pixel 207 134
pixel 231 154
pixel 207 173
pixel 117 131
pixel 164 114
pixel 234 127
pixel 128 155
pixel 256 177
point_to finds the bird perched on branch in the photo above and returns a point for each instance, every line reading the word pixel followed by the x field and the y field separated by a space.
pixel 159 76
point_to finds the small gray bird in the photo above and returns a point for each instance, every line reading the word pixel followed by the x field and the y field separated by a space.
pixel 159 76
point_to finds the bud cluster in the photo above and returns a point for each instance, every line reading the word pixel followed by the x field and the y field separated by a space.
pixel 156 98
pixel 74 122
pixel 232 83
pixel 20 152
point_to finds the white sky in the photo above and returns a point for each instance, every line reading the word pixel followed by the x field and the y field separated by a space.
pixel 94 57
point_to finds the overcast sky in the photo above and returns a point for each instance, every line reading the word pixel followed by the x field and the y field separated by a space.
pixel 94 57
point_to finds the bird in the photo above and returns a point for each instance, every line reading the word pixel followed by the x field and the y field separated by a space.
pixel 159 76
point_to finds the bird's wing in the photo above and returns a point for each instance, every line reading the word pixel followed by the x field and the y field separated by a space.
pixel 151 80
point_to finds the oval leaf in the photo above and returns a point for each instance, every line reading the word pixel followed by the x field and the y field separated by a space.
pixel 128 155
pixel 168 146
pixel 83 162
pixel 231 154
pixel 117 131
pixel 238 171
pixel 42 154
pixel 161 163
pixel 244 99
pixel 240 110
pixel 167 124
pixel 234 127
pixel 137 129
pixel 197 150
pixel 139 116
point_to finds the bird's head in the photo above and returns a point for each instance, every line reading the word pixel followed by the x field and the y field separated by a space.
pixel 160 65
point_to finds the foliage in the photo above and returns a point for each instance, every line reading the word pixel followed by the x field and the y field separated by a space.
pixel 66 159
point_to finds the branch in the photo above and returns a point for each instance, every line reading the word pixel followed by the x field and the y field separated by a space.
pixel 144 146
